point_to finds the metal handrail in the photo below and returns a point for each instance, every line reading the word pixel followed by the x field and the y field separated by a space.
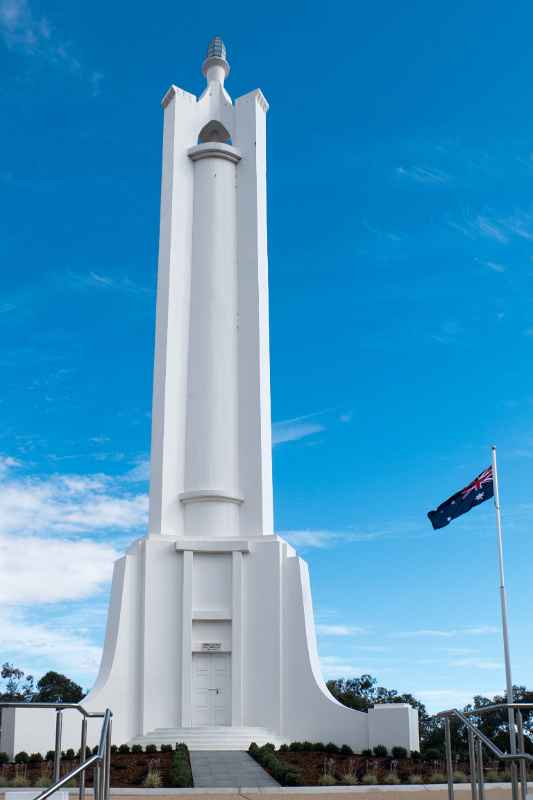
pixel 476 740
pixel 100 761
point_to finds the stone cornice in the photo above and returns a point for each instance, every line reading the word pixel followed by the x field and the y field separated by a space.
pixel 215 150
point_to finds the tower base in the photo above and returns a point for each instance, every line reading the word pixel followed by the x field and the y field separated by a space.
pixel 212 642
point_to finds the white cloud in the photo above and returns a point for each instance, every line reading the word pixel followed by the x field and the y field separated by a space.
pixel 335 667
pixel 494 266
pixel 476 663
pixel 39 570
pixel 325 539
pixel 97 280
pixel 44 647
pixel 346 417
pixel 423 175
pixel 7 464
pixel 68 504
pixel 339 630
pixel 291 430
pixel 482 630
pixel 139 473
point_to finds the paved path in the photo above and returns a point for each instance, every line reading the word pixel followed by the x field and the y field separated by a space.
pixel 213 769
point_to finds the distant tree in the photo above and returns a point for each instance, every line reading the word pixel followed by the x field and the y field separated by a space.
pixel 56 688
pixel 15 686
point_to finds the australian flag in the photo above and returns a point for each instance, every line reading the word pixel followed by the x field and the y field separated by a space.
pixel 481 489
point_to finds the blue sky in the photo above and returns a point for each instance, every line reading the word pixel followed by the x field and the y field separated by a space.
pixel 401 287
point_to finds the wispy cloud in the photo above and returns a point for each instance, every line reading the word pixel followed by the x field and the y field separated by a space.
pixel 426 175
pixel 33 35
pixel 139 473
pixel 492 265
pixel 440 633
pixel 339 630
pixel 98 280
pixel 72 504
pixel 476 663
pixel 325 539
pixel 501 229
pixel 448 332
pixel 291 430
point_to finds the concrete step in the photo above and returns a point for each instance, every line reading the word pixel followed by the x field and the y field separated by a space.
pixel 221 737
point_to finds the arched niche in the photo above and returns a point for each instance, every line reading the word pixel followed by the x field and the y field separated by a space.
pixel 214 131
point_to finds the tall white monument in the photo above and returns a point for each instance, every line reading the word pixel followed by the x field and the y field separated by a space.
pixel 210 638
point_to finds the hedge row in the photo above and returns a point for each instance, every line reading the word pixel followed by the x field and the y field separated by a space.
pixel 285 774
pixel 180 772
pixel 380 751
pixel 70 755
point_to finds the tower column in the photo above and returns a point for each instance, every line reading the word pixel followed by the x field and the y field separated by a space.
pixel 211 495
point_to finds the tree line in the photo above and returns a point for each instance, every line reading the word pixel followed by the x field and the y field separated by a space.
pixel 53 687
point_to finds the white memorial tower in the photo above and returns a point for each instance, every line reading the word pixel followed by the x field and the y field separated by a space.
pixel 210 637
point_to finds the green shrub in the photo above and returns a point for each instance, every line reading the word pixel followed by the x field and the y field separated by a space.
pixel 366 753
pixel 35 758
pixel 124 748
pixel 346 750
pixel 114 748
pixel 432 753
pixel 327 780
pixel 459 777
pixel 19 781
pixel 292 778
pixel 43 781
pixel 492 776
pixel 4 758
pixel 153 778
pixel 284 748
pixel 180 774
pixel 399 752
pixel 307 746
pixel 254 748
pixel 438 777
pixel 331 747
pixel 415 755
pixel 416 779
pixel 50 755
pixel 349 779
pixel 136 748
pixel 369 779
pixel 391 778
pixel 380 751
pixel 22 758
pixel 270 746
pixel 150 748
pixel 71 784
pixel 94 751
pixel 295 747
pixel 70 754
pixel 165 748
pixel 319 747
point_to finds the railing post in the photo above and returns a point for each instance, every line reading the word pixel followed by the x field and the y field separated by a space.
pixel 481 777
pixel 521 747
pixel 472 759
pixel 57 754
pixel 108 761
pixel 96 782
pixel 83 755
pixel 449 761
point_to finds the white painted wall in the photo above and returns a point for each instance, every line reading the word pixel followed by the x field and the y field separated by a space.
pixel 394 724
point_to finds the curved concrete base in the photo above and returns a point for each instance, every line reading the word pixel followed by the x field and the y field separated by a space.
pixel 249 598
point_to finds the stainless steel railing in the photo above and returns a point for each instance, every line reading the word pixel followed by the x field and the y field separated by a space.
pixel 100 762
pixel 477 740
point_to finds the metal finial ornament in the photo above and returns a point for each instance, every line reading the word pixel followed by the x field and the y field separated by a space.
pixel 216 48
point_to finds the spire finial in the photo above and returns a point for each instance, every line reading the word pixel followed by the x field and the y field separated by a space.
pixel 216 67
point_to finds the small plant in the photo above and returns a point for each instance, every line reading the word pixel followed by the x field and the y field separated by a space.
pixel 415 779
pixel 35 758
pixel 326 780
pixel 391 778
pixel 432 754
pixel 380 751
pixel 153 776
pixel 346 750
pixel 459 777
pixel 399 752
pixel 71 784
pixel 124 748
pixel 136 748
pixel 94 751
pixel 270 746
pixel 43 781
pixel 150 748
pixel 319 747
pixel 295 747
pixel 180 774
pixel 437 777
pixel 331 747
pixel 165 748
pixel 292 778
pixel 70 755
pixel 22 758
pixel 349 779
pixel 4 758
pixel 492 776
pixel 20 780
pixel 369 779
pixel 366 753
pixel 284 748
pixel 50 755
pixel 307 746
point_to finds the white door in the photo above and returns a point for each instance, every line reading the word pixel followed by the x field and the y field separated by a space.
pixel 211 689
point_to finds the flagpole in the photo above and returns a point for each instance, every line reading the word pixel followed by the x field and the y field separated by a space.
pixel 503 603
